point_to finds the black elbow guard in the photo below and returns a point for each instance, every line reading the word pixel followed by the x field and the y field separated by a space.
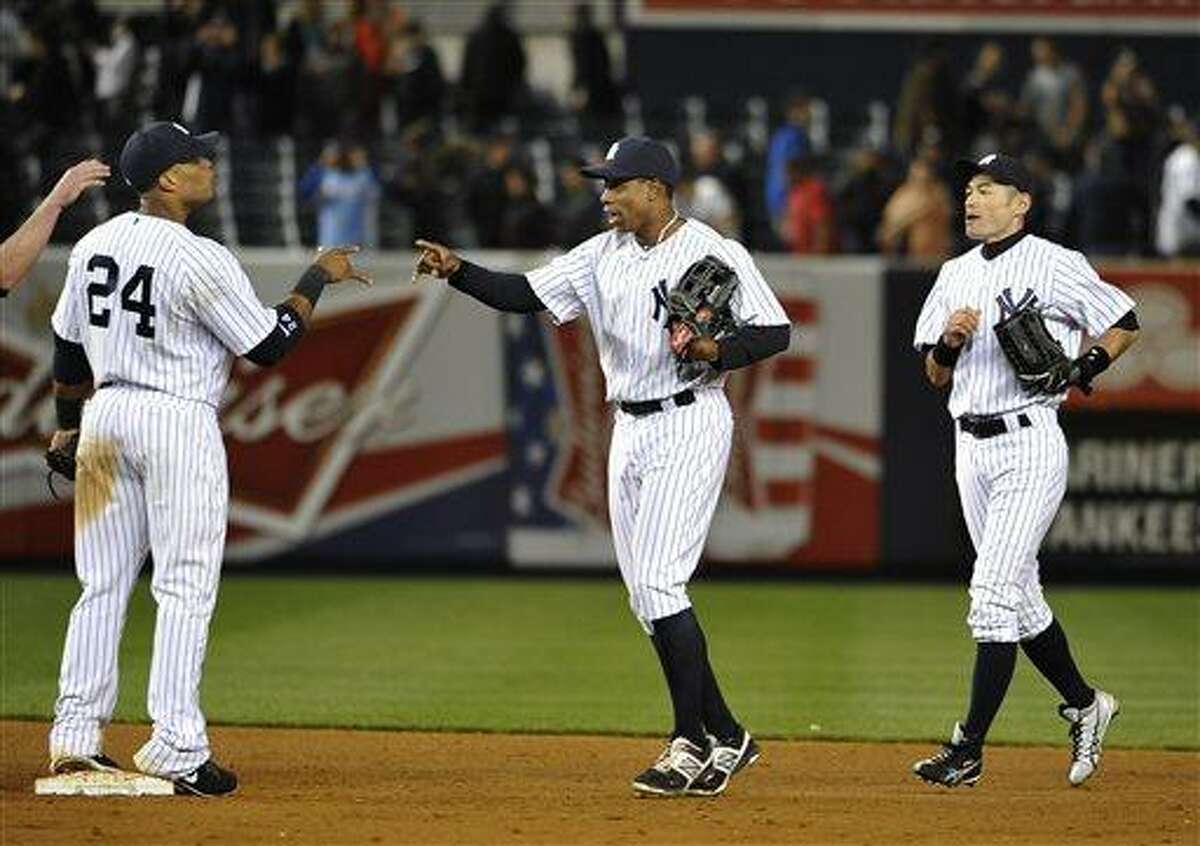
pixel 288 331
pixel 70 362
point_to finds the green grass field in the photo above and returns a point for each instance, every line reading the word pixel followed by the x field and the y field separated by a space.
pixel 803 660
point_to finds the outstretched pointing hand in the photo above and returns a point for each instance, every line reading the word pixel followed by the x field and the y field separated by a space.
pixel 436 259
pixel 336 262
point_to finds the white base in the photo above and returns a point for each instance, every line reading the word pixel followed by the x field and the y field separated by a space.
pixel 90 783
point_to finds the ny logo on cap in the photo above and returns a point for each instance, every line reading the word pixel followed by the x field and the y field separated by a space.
pixel 612 151
pixel 988 159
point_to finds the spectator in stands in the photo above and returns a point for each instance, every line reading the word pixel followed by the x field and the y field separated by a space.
pixel 916 220
pixel 526 223
pixel 493 75
pixel 275 88
pixel 703 192
pixel 788 143
pixel 577 209
pixel 1132 119
pixel 594 96
pixel 321 55
pixel 1105 218
pixel 1054 99
pixel 417 83
pixel 368 25
pixel 1178 225
pixel 217 62
pixel 345 190
pixel 809 225
pixel 860 196
pixel 177 28
pixel 115 62
pixel 486 195
pixel 987 108
pixel 927 108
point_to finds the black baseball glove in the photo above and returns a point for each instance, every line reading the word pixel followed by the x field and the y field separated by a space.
pixel 60 457
pixel 702 302
pixel 1041 365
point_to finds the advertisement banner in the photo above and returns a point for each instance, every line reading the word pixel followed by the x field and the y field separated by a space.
pixel 1133 494
pixel 380 437
pixel 1142 16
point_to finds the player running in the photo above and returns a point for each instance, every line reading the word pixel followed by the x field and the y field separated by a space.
pixel 1011 456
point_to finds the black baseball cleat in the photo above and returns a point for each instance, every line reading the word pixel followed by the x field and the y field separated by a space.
pixel 100 763
pixel 208 779
pixel 728 758
pixel 959 762
pixel 675 770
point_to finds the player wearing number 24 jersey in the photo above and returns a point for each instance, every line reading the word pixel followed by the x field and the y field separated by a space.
pixel 150 320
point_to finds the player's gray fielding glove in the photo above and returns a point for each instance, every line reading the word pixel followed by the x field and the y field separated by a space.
pixel 1041 365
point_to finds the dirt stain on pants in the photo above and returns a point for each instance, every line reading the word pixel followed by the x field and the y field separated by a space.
pixel 95 479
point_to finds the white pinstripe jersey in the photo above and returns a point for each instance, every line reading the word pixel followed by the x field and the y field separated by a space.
pixel 1033 270
pixel 623 290
pixel 157 306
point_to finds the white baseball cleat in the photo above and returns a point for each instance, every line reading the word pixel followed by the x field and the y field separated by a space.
pixel 1088 726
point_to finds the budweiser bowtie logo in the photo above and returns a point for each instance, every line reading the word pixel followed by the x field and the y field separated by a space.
pixel 332 434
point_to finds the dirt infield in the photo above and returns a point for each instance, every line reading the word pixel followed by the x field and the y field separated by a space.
pixel 327 787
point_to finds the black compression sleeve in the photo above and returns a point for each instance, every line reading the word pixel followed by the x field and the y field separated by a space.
pixel 750 344
pixel 288 331
pixel 70 362
pixel 1128 322
pixel 503 291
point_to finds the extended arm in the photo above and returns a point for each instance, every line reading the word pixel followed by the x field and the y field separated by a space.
pixel 21 250
pixel 294 314
pixel 503 291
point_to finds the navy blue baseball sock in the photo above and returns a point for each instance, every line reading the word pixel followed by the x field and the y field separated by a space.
pixel 718 719
pixel 680 646
pixel 1051 654
pixel 994 665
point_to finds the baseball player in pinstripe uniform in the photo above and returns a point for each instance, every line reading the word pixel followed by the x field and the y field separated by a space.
pixel 1011 456
pixel 153 316
pixel 673 424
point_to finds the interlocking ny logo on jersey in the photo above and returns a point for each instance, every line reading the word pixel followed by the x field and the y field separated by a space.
pixel 1009 307
pixel 659 293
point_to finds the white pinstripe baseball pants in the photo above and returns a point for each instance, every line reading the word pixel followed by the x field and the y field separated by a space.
pixel 665 473
pixel 1010 486
pixel 152 477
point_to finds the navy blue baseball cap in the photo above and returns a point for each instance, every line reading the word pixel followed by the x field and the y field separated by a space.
pixel 154 148
pixel 1003 169
pixel 633 158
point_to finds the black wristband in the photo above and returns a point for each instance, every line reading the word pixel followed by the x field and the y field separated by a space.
pixel 946 355
pixel 69 412
pixel 1093 362
pixel 312 283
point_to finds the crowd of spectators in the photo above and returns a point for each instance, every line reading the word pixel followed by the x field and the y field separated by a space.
pixel 485 160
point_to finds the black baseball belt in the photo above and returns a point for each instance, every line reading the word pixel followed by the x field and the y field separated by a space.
pixel 991 425
pixel 640 408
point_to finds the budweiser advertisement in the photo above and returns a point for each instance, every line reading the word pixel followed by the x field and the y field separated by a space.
pixel 414 425
pixel 380 437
